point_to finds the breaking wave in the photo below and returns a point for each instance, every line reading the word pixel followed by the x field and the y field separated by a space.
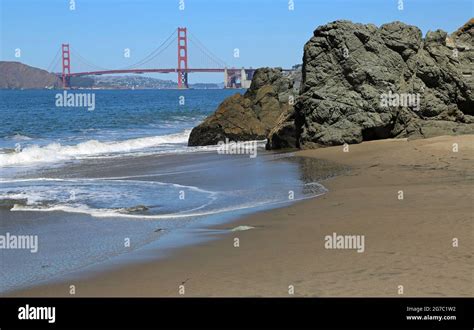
pixel 56 152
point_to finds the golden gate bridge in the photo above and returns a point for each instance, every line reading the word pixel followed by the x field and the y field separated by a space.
pixel 204 61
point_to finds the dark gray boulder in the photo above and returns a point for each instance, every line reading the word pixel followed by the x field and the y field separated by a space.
pixel 361 83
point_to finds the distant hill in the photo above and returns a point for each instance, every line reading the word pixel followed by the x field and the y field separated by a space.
pixel 16 75
pixel 132 81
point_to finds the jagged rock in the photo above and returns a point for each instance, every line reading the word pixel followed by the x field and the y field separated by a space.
pixel 134 209
pixel 250 116
pixel 350 71
pixel 461 42
pixel 9 203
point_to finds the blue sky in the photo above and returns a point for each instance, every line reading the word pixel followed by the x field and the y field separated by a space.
pixel 266 32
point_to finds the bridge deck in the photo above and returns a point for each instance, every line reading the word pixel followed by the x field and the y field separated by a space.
pixel 170 70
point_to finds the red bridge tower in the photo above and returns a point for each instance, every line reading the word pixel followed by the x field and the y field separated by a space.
pixel 182 58
pixel 66 56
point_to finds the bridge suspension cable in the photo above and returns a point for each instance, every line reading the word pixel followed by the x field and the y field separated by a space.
pixel 55 62
pixel 196 59
pixel 76 56
pixel 160 49
pixel 214 59
pixel 204 57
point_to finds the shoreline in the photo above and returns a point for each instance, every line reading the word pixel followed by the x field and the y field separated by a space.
pixel 77 238
pixel 407 242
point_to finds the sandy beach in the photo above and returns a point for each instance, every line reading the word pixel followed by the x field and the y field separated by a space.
pixel 408 242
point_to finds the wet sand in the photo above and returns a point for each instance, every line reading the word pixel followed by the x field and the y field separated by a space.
pixel 408 243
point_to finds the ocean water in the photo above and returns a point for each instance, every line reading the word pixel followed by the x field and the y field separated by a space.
pixel 125 121
pixel 85 181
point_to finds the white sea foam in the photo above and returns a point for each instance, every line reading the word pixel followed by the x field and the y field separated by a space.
pixel 93 149
pixel 107 213
pixel 20 137
pixel 126 181
pixel 54 195
pixel 242 228
pixel 56 152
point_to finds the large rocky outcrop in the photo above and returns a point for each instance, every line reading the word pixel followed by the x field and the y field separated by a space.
pixel 250 116
pixel 361 82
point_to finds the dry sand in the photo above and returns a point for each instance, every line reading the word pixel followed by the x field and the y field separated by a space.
pixel 408 242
